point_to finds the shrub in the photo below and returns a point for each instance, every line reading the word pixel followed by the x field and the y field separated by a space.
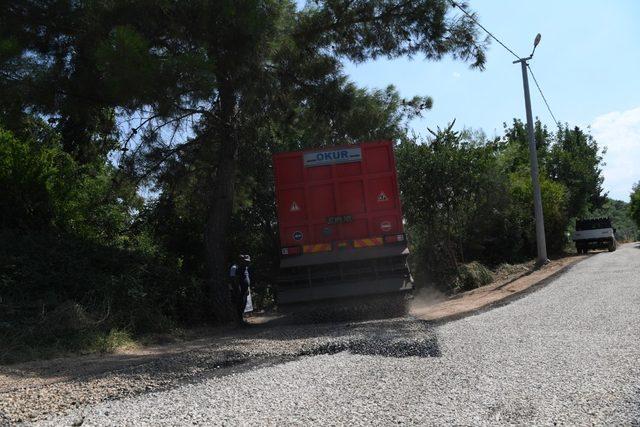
pixel 62 291
pixel 471 276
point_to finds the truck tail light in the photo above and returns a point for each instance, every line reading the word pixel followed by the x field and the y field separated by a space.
pixel 394 238
pixel 292 250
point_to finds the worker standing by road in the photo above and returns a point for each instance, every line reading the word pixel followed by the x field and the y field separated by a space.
pixel 240 282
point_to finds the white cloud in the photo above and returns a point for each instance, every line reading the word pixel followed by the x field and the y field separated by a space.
pixel 620 133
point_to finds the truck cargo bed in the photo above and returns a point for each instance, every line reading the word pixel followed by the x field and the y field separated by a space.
pixel 340 224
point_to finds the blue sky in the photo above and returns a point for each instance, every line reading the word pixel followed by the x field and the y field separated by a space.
pixel 588 65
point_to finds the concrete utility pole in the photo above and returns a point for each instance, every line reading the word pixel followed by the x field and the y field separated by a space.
pixel 533 158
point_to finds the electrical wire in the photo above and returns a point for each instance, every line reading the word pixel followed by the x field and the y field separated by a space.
pixel 470 16
pixel 543 97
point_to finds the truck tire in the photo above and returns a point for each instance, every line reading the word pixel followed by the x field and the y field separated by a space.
pixel 612 246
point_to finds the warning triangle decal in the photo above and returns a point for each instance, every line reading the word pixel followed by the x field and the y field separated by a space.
pixel 382 197
pixel 294 207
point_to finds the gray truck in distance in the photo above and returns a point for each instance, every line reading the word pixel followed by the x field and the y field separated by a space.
pixel 596 233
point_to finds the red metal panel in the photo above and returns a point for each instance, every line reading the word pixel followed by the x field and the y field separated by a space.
pixel 291 170
pixel 324 233
pixel 348 169
pixel 350 197
pixel 322 202
pixel 379 158
pixel 355 185
pixel 317 173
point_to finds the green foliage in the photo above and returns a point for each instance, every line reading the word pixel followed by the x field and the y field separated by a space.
pixel 178 215
pixel 22 343
pixel 575 160
pixel 57 287
pixel 634 204
pixel 28 181
pixel 44 270
pixel 620 213
pixel 244 78
pixel 75 261
pixel 364 29
pixel 468 199
pixel 190 101
pixel 42 187
pixel 570 174
pixel 110 341
pixel 471 276
pixel 448 185
pixel 554 204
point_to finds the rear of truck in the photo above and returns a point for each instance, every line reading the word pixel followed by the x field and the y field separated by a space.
pixel 595 233
pixel 340 224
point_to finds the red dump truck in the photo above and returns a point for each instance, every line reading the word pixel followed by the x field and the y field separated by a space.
pixel 340 223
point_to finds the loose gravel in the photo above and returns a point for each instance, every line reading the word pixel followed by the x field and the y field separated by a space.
pixel 566 354
pixel 237 351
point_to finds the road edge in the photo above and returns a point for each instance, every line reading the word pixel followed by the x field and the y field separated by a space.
pixel 508 299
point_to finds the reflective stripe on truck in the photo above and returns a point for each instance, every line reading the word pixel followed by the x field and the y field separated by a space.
pixel 320 247
pixel 367 243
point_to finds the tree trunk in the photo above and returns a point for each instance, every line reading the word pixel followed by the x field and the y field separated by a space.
pixel 220 205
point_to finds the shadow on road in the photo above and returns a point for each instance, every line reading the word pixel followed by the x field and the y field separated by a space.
pixel 265 343
pixel 26 391
pixel 77 381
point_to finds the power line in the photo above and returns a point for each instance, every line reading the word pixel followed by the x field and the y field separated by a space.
pixel 533 158
pixel 470 16
pixel 543 97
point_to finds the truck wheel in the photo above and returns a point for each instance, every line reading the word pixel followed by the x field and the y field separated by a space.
pixel 612 246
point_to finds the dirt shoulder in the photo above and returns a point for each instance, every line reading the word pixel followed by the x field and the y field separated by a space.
pixel 498 292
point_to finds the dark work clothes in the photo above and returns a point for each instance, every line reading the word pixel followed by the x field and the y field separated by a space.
pixel 240 281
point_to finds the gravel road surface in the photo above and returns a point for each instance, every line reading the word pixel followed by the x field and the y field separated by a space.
pixel 566 354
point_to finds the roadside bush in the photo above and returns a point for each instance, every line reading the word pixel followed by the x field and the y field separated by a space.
pixel 59 291
pixel 634 204
pixel 77 261
pixel 456 203
pixel 25 343
pixel 467 198
pixel 43 187
pixel 522 220
pixel 471 276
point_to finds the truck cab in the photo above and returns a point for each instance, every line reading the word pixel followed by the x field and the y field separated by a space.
pixel 595 233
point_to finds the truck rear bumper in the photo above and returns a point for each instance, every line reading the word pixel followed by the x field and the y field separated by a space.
pixel 347 255
pixel 598 242
pixel 387 285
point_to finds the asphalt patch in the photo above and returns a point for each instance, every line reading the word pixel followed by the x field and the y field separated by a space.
pixel 380 347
